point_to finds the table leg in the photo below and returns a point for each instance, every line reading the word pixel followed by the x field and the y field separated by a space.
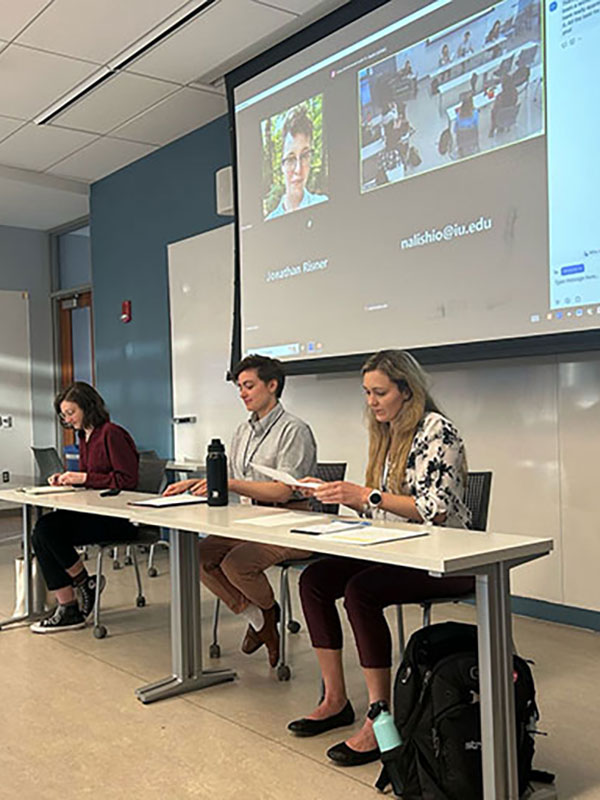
pixel 186 638
pixel 498 734
pixel 31 612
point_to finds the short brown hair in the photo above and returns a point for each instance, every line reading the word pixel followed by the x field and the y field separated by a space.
pixel 297 121
pixel 267 369
pixel 89 401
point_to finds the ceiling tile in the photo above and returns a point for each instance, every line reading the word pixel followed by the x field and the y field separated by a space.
pixel 211 40
pixel 31 80
pixel 25 205
pixel 96 29
pixel 8 126
pixel 15 15
pixel 36 147
pixel 173 117
pixel 102 157
pixel 114 102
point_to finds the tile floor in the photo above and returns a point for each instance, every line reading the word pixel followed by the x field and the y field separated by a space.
pixel 70 726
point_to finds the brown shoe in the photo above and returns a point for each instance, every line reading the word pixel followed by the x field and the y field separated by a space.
pixel 269 634
pixel 251 641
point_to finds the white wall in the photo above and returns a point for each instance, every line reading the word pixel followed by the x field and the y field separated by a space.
pixel 535 422
pixel 15 389
pixel 25 267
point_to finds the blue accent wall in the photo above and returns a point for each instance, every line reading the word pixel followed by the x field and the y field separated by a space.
pixel 135 213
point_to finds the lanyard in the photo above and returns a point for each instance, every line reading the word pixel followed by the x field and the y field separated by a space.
pixel 247 459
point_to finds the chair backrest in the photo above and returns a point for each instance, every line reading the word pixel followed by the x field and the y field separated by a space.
pixel 527 55
pixel 507 116
pixel 48 461
pixel 467 140
pixel 505 66
pixel 328 471
pixel 477 498
pixel 151 475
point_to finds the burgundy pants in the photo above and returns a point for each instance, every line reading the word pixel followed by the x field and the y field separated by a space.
pixel 367 588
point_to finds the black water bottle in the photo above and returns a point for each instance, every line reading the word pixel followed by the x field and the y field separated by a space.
pixel 216 474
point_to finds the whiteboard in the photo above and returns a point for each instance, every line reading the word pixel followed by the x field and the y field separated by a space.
pixel 201 310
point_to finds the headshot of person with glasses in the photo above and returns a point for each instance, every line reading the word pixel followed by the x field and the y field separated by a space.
pixel 296 161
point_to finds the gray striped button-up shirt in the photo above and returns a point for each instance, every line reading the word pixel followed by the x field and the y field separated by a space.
pixel 279 440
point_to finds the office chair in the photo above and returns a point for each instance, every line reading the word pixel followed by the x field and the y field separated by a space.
pixel 128 560
pixel 48 462
pixel 527 56
pixel 467 141
pixel 330 471
pixel 477 500
pixel 505 67
pixel 506 117
pixel 150 479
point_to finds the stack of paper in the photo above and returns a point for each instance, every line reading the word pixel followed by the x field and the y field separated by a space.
pixel 172 500
pixel 283 477
pixel 366 535
pixel 33 490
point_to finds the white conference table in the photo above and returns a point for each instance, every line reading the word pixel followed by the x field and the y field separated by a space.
pixel 444 551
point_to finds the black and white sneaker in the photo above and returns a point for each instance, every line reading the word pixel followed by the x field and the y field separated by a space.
pixel 87 594
pixel 64 618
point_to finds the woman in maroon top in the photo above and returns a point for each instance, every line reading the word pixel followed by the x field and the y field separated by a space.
pixel 108 460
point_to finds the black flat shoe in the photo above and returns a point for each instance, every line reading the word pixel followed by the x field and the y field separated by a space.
pixel 345 756
pixel 313 727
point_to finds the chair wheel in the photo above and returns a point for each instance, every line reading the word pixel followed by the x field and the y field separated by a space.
pixel 99 631
pixel 284 673
pixel 152 572
pixel 128 561
pixel 293 626
pixel 140 601
pixel 116 565
pixel 214 651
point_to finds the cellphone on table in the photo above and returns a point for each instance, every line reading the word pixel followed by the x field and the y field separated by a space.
pixel 110 493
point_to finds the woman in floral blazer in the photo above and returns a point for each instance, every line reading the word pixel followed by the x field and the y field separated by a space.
pixel 416 472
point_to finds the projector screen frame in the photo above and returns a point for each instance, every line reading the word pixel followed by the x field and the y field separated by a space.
pixel 480 350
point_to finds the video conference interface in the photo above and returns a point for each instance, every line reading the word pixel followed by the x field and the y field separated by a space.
pixel 423 176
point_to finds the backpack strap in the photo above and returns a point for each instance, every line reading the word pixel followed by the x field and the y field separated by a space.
pixel 541 776
pixel 392 771
pixel 383 780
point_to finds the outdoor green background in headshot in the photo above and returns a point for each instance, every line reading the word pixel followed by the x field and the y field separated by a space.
pixel 272 142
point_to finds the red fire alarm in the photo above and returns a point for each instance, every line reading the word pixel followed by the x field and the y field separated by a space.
pixel 126 311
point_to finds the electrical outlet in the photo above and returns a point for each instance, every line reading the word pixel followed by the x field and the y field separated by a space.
pixel 5 421
pixel 5 476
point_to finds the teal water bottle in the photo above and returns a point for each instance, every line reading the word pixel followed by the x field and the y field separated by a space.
pixel 384 727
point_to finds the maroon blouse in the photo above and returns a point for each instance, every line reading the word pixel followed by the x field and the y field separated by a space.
pixel 109 457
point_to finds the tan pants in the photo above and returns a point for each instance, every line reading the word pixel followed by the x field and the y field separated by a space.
pixel 233 569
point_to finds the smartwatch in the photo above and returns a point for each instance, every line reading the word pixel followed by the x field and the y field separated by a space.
pixel 375 499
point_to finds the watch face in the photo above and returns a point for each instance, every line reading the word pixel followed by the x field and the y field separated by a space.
pixel 375 498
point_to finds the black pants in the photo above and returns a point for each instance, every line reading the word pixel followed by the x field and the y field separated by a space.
pixel 55 535
pixel 367 589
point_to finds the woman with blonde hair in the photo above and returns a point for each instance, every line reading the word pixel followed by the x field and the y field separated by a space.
pixel 416 472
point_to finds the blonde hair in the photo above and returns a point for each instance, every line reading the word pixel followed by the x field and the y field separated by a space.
pixel 393 440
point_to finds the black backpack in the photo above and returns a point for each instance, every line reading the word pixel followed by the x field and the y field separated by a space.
pixel 436 710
